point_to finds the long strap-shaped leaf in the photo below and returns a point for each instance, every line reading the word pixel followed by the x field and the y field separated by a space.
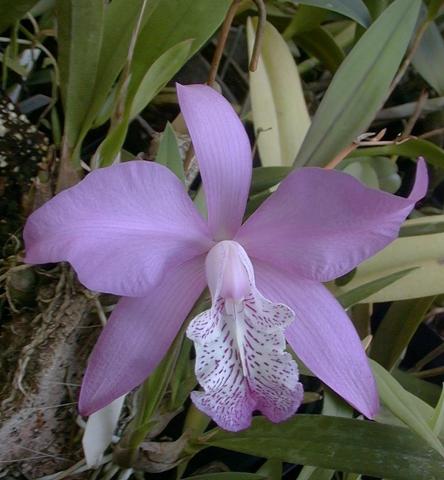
pixel 339 443
pixel 360 85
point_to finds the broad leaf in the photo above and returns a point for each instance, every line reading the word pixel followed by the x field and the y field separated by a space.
pixel 280 114
pixel 352 445
pixel 360 85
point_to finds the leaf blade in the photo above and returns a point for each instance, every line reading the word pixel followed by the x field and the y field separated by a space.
pixel 352 446
pixel 359 87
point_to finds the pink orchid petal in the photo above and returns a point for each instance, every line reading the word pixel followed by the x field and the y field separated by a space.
pixel 323 336
pixel 241 361
pixel 320 224
pixel 137 336
pixel 120 228
pixel 224 155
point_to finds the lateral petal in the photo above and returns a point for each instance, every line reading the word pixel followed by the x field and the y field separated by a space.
pixel 320 224
pixel 120 228
pixel 137 336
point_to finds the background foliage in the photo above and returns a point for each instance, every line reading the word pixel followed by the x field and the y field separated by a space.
pixel 86 83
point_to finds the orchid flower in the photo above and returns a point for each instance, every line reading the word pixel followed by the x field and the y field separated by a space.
pixel 132 230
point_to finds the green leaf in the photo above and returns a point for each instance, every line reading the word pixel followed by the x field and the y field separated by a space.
pixel 168 153
pixel 271 470
pixel 429 58
pixel 171 22
pixel 424 252
pixel 12 11
pixel 405 406
pixel 228 476
pixel 361 293
pixel 109 150
pixel 437 420
pixel 337 443
pixel 315 473
pixel 321 44
pixel 267 177
pixel 376 7
pixel 413 148
pixel 280 114
pixel 160 72
pixel 167 30
pixel 79 36
pixel 375 172
pixel 423 226
pixel 364 172
pixel 354 9
pixel 305 19
pixel 420 388
pixel 120 16
pixel 255 201
pixel 360 85
pixel 397 329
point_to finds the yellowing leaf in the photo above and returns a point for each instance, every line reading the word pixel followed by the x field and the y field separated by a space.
pixel 280 114
pixel 426 252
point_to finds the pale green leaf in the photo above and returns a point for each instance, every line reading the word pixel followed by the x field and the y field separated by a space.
pixel 375 172
pixel 429 58
pixel 364 172
pixel 360 85
pixel 406 406
pixel 280 114
pixel 425 252
pixel 437 420
pixel 420 388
